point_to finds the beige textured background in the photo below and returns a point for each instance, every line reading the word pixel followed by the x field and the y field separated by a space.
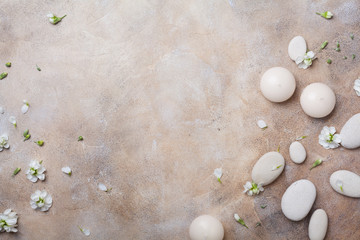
pixel 164 92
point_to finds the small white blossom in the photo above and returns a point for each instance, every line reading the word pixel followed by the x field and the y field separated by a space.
pixel 2 110
pixel 4 142
pixel 25 107
pixel 54 19
pixel 262 124
pixel 36 171
pixel 12 120
pixel 339 184
pixel 102 187
pixel 357 86
pixel 253 188
pixel 85 231
pixel 67 170
pixel 236 216
pixel 218 174
pixel 41 200
pixel 328 139
pixel 305 61
pixel 8 221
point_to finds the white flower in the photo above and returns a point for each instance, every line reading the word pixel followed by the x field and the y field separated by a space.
pixel 305 61
pixel 12 120
pixel 236 216
pixel 357 86
pixel 25 107
pixel 8 221
pixel 253 188
pixel 218 173
pixel 67 170
pixel 262 124
pixel 54 19
pixel 102 187
pixel 2 110
pixel 4 142
pixel 85 231
pixel 36 171
pixel 328 139
pixel 339 184
pixel 41 200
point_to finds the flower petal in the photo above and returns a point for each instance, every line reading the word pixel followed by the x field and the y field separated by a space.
pixel 102 187
pixel 24 108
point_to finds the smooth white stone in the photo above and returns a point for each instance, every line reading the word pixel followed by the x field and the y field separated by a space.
pixel 297 152
pixel 350 133
pixel 206 227
pixel 350 183
pixel 297 47
pixel 317 100
pixel 263 171
pixel 298 199
pixel 318 225
pixel 277 84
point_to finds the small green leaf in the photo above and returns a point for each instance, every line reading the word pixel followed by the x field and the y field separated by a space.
pixel 352 36
pixel 241 221
pixel 37 67
pixel 324 44
pixel 17 170
pixel 326 14
pixel 8 64
pixel 263 206
pixel 219 180
pixel 41 162
pixel 353 56
pixel 26 132
pixel 258 224
pixel 329 61
pixel 40 143
pixel 3 75
pixel 316 163
pixel 341 188
pixel 27 137
pixel 345 57
pixel 80 138
pixel 108 190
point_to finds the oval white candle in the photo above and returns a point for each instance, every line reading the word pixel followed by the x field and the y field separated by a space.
pixel 317 100
pixel 277 84
pixel 206 227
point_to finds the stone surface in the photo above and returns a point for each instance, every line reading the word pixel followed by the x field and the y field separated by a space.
pixel 318 225
pixel 164 92
pixel 297 47
pixel 298 199
pixel 349 181
pixel 206 227
pixel 268 168
pixel 297 152
pixel 350 133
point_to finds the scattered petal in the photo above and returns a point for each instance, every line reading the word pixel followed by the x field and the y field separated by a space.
pixel 85 231
pixel 12 120
pixel 67 170
pixel 2 110
pixel 239 220
pixel 54 19
pixel 262 124
pixel 218 174
pixel 102 187
pixel 357 86
pixel 316 163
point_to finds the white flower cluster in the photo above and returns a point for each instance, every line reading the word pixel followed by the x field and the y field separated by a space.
pixel 8 221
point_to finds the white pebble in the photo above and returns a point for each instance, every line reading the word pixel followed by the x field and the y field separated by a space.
pixel 297 152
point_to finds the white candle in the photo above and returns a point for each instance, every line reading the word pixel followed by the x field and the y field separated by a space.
pixel 317 100
pixel 206 227
pixel 277 84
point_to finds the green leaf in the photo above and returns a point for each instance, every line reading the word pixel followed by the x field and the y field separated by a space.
pixel 353 56
pixel 41 162
pixel 219 180
pixel 40 143
pixel 80 138
pixel 345 57
pixel 316 163
pixel 329 61
pixel 326 14
pixel 26 132
pixel 324 44
pixel 263 206
pixel 241 221
pixel 37 67
pixel 8 64
pixel 17 170
pixel 352 36
pixel 258 224
pixel 27 137
pixel 3 75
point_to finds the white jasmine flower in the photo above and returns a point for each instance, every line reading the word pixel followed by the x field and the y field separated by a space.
pixel 85 231
pixel 2 110
pixel 67 170
pixel 54 19
pixel 340 185
pixel 357 86
pixel 102 187
pixel 253 188
pixel 25 107
pixel 12 120
pixel 262 124
pixel 305 61
pixel 4 142
pixel 41 200
pixel 218 173
pixel 36 171
pixel 8 221
pixel 328 139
